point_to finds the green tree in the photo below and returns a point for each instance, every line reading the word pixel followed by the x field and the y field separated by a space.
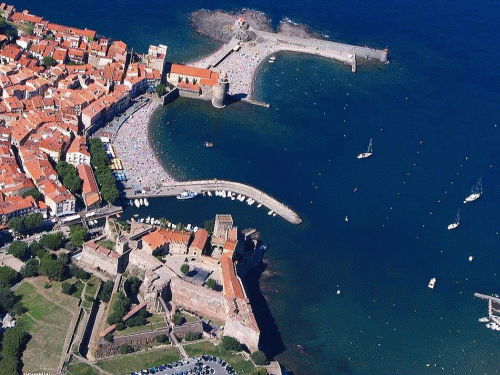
pixel 230 343
pixel 67 288
pixel 211 283
pixel 33 221
pixel 7 299
pixel 140 319
pixel 191 336
pixel 63 258
pixel 34 193
pixel 105 179
pixel 19 249
pixel 259 358
pixel 69 176
pixel 78 235
pixel 13 344
pixel 162 339
pixel 8 276
pixel 11 32
pixel 178 319
pixel 52 241
pixel 209 225
pixel 161 89
pixel 185 269
pixel 106 290
pixel 124 349
pixel 16 224
pixel 31 268
pixel 29 28
pixel 132 285
pixel 49 61
pixel 2 21
pixel 109 337
pixel 52 268
pixel 82 275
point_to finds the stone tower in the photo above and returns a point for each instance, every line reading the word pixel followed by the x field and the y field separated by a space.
pixel 219 91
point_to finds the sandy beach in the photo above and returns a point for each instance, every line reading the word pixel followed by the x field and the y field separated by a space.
pixel 240 66
pixel 140 163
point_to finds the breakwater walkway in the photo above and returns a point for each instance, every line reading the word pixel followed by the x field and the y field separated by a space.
pixel 241 60
pixel 212 185
pixel 338 51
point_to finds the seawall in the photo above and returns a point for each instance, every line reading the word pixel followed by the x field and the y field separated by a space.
pixel 212 185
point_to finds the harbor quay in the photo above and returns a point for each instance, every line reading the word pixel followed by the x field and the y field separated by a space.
pixel 240 60
pixel 213 185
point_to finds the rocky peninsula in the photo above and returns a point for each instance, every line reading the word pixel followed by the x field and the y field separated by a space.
pixel 249 38
pixel 218 25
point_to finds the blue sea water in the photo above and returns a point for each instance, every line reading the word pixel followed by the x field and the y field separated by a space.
pixel 432 114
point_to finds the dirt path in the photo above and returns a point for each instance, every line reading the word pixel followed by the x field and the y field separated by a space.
pixel 41 322
pixel 49 298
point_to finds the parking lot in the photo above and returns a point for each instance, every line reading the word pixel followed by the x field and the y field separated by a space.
pixel 204 365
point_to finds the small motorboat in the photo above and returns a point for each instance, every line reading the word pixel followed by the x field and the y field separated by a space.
pixel 432 283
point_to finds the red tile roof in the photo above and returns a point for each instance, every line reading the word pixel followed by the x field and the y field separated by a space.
pixel 231 283
pixel 160 237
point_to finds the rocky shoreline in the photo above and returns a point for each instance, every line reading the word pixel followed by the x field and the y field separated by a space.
pixel 218 25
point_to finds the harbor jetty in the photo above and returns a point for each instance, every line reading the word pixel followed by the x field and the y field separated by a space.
pixel 493 307
pixel 249 41
pixel 202 186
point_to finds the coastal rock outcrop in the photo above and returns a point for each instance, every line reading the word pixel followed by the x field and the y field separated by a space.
pixel 218 25
pixel 286 27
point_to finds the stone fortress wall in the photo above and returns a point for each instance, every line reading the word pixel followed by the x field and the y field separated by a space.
pixel 198 299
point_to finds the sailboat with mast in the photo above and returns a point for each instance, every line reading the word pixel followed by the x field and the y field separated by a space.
pixel 456 223
pixel 475 193
pixel 368 153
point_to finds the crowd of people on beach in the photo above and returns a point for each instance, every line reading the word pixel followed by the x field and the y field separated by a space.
pixel 141 165
pixel 240 65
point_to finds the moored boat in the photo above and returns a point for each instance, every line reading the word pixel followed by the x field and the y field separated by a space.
pixel 187 194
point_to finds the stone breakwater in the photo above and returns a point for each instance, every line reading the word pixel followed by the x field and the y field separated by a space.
pixel 212 185
pixel 250 45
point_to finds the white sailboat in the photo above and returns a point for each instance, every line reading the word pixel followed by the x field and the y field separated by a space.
pixel 432 283
pixel 457 221
pixel 368 153
pixel 136 202
pixel 146 203
pixel 475 193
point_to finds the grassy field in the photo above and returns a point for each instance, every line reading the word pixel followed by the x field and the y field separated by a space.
pixel 108 244
pixel 92 285
pixel 78 289
pixel 189 318
pixel 240 364
pixel 154 322
pixel 81 369
pixel 47 320
pixel 134 362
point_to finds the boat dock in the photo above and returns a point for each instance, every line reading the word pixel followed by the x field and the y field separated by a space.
pixel 493 307
pixel 213 185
